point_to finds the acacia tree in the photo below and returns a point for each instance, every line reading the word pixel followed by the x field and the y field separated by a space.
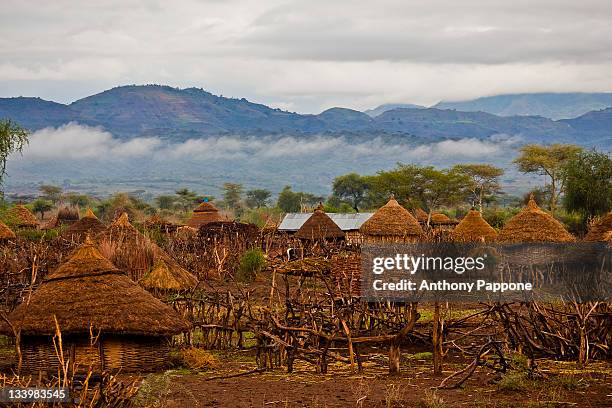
pixel 484 181
pixel 13 138
pixel 588 188
pixel 351 187
pixel 550 161
pixel 441 187
pixel 257 198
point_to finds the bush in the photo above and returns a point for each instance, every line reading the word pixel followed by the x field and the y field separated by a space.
pixel 514 381
pixel 198 359
pixel 251 263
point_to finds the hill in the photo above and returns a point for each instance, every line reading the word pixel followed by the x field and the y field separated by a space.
pixel 549 105
pixel 181 114
pixel 390 106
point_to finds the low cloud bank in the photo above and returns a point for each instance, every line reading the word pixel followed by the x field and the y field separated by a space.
pixel 74 142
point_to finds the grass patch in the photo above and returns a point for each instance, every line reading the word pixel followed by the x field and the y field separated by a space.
pixel 153 390
pixel 515 381
pixel 426 355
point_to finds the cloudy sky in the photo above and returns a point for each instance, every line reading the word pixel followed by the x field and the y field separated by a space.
pixel 307 56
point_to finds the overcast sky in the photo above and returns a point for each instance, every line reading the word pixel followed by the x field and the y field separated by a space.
pixel 307 56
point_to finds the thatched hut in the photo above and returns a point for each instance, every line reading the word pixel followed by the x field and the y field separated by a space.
pixel 64 216
pixel 156 222
pixel 5 232
pixel 474 228
pixel 168 277
pixel 319 227
pixel 205 213
pixel 127 248
pixel 421 215
pixel 21 217
pixel 391 223
pixel 89 224
pixel 533 224
pixel 601 230
pixel 89 297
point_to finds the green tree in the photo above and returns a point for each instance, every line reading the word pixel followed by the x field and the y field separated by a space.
pixel 351 187
pixel 13 138
pixel 41 206
pixel 166 202
pixel 550 161
pixel 187 199
pixel 288 200
pixel 441 187
pixel 484 181
pixel 232 195
pixel 51 193
pixel 588 186
pixel 78 200
pixel 257 198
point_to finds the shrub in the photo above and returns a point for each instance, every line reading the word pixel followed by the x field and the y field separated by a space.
pixel 514 381
pixel 198 359
pixel 251 263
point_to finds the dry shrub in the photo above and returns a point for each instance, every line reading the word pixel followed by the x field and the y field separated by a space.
pixel 431 400
pixel 198 359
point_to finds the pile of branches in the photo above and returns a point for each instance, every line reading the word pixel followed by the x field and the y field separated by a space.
pixel 216 249
pixel 569 330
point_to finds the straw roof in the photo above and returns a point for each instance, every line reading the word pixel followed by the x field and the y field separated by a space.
pixel 21 217
pixel 89 224
pixel 601 230
pixel 319 226
pixel 391 220
pixel 89 290
pixel 441 219
pixel 5 232
pixel 206 212
pixel 167 275
pixel 157 221
pixel 474 228
pixel 420 215
pixel 534 225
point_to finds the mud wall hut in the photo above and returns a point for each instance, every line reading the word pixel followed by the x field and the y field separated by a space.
pixel 319 227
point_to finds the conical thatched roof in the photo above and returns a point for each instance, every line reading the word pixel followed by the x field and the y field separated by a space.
pixel 420 215
pixel 534 225
pixel 65 216
pixel 5 232
pixel 21 217
pixel 89 291
pixel 601 230
pixel 441 219
pixel 167 275
pixel 206 212
pixel 474 228
pixel 319 226
pixel 391 220
pixel 89 224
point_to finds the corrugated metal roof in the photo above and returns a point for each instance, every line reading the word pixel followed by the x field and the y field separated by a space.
pixel 346 222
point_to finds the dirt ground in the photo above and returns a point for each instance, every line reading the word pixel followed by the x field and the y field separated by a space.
pixel 563 387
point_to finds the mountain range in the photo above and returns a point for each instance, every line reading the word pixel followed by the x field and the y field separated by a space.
pixel 180 114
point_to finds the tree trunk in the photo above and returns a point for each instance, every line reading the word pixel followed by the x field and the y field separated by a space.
pixel 437 340
pixel 394 357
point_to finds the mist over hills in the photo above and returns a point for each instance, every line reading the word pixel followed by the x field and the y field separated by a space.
pixel 161 138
